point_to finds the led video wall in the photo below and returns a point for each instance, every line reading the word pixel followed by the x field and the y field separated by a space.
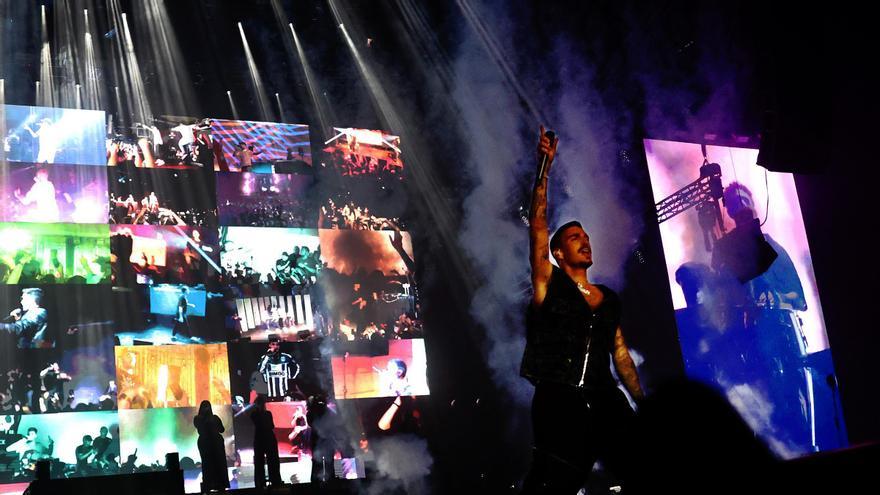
pixel 746 302
pixel 199 259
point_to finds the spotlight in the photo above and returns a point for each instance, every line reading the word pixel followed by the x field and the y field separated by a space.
pixel 228 92
pixel 110 34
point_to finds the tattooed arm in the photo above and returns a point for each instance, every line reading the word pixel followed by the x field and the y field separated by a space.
pixel 539 237
pixel 626 368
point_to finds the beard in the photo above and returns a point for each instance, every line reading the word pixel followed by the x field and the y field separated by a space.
pixel 584 264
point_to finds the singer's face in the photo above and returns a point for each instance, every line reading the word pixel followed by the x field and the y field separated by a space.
pixel 28 302
pixel 575 249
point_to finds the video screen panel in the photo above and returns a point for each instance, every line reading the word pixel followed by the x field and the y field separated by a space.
pixel 365 153
pixel 57 253
pixel 45 135
pixel 368 286
pixel 264 147
pixel 162 197
pixel 362 179
pixel 262 312
pixel 171 314
pixel 746 302
pixel 273 256
pixel 80 377
pixel 361 372
pixel 172 376
pixel 147 435
pixel 167 142
pixel 49 194
pixel 266 200
pixel 75 444
pixel 47 316
pixel 148 254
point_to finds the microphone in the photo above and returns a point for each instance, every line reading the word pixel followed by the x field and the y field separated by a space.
pixel 542 169
pixel 15 313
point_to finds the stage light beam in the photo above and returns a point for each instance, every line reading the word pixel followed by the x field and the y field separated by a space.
pixel 314 90
pixel 442 213
pixel 136 92
pixel 256 80
pixel 296 53
pixel 46 93
pixel 280 108
pixel 232 105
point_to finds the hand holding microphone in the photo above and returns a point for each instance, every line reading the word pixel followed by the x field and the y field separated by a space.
pixel 546 152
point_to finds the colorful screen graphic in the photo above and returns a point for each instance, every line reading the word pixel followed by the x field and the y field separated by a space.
pixel 272 256
pixel 57 253
pixel 164 254
pixel 266 200
pixel 246 144
pixel 747 306
pixel 400 371
pixel 47 194
pixel 179 376
pixel 53 135
pixel 194 268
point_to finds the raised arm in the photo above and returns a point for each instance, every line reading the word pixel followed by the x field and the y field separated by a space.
pixel 385 420
pixel 539 237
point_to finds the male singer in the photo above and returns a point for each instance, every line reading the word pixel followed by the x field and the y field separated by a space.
pixel 30 323
pixel 277 368
pixel 573 333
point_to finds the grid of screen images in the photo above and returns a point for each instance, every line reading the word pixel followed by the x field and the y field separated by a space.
pixel 199 259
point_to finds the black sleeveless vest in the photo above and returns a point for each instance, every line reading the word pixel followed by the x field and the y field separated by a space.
pixel 564 332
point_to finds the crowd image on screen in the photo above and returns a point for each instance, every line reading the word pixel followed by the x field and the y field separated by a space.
pixel 348 157
pixel 274 212
pixel 350 215
pixel 162 197
pixel 164 143
pixel 97 454
pixel 24 267
pixel 150 210
pixel 192 264
pixel 46 391
pixel 370 306
pixel 298 269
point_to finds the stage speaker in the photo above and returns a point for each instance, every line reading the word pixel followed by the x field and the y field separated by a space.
pixel 796 89
pixel 141 342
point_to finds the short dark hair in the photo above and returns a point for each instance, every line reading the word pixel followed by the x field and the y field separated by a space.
pixel 32 429
pixel 733 188
pixel 556 240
